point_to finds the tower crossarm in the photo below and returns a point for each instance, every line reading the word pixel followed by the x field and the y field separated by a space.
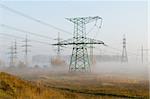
pixel 86 19
pixel 87 41
pixel 64 42
pixel 94 41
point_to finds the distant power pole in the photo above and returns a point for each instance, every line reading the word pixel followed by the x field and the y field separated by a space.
pixel 142 55
pixel 11 55
pixel 58 46
pixel 124 57
pixel 26 50
pixel 15 51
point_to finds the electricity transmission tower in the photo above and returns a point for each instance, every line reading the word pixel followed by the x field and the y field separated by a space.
pixel 124 57
pixel 26 50
pixel 15 52
pixel 79 59
pixel 11 55
pixel 58 46
pixel 142 55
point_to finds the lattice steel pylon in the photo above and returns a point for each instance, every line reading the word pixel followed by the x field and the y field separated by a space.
pixel 11 55
pixel 124 57
pixel 79 59
pixel 26 50
pixel 58 46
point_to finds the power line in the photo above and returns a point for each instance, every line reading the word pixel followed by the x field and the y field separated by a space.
pixel 98 49
pixel 24 31
pixel 95 25
pixel 130 53
pixel 34 19
pixel 12 36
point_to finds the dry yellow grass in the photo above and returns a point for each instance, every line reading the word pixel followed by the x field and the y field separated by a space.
pixel 66 86
pixel 12 86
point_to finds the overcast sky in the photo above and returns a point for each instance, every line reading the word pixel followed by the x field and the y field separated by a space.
pixel 125 17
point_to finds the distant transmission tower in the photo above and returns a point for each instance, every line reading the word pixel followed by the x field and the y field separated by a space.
pixel 11 55
pixel 124 57
pixel 142 53
pixel 15 52
pixel 26 50
pixel 58 46
pixel 79 59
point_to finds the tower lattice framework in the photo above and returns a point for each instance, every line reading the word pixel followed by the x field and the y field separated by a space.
pixel 124 51
pixel 79 59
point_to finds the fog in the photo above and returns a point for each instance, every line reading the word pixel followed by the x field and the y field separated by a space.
pixel 118 69
pixel 122 69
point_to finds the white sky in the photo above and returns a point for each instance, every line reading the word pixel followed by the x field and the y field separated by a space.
pixel 126 17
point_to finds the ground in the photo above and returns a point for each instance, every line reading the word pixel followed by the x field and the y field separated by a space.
pixel 50 85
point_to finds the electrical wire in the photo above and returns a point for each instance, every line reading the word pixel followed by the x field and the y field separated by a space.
pixel 131 53
pixel 91 29
pixel 24 31
pixel 18 37
pixel 34 19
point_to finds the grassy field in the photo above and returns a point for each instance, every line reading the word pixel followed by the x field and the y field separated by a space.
pixel 96 85
pixel 71 86
pixel 12 87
